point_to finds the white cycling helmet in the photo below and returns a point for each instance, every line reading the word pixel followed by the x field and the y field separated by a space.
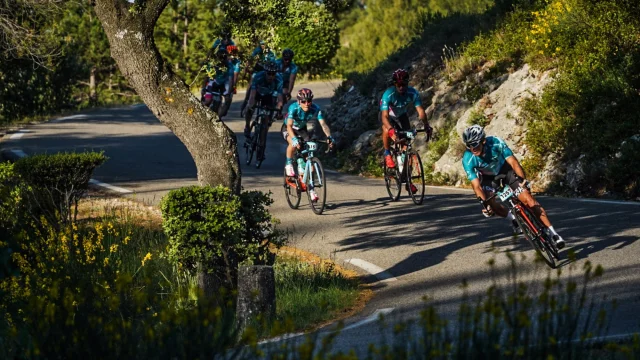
pixel 473 136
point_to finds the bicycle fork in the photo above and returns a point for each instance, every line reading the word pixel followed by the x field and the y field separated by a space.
pixel 307 173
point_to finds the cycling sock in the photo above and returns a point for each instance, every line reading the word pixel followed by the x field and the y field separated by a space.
pixel 387 152
pixel 289 161
pixel 553 231
pixel 510 216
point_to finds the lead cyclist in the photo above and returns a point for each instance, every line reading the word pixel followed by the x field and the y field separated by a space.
pixel 489 156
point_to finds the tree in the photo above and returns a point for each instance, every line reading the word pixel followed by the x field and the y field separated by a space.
pixel 130 30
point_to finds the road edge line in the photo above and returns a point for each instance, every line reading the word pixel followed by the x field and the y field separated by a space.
pixel 369 319
pixel 110 187
pixel 373 269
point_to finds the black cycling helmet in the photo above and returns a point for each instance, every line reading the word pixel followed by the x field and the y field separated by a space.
pixel 287 53
pixel 270 67
pixel 473 136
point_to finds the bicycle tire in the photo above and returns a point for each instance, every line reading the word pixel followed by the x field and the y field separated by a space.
pixel 293 195
pixel 392 182
pixel 260 147
pixel 530 234
pixel 414 162
pixel 548 243
pixel 319 187
pixel 251 145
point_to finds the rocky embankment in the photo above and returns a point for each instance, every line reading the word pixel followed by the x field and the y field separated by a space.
pixel 486 95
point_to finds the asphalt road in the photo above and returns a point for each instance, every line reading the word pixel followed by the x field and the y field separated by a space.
pixel 405 251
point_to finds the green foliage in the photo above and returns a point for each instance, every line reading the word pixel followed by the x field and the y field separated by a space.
pixel 314 41
pixel 213 230
pixel 477 117
pixel 10 199
pixel 384 27
pixel 55 183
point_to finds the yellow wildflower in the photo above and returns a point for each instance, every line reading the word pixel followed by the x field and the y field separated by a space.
pixel 113 248
pixel 126 240
pixel 146 258
pixel 106 261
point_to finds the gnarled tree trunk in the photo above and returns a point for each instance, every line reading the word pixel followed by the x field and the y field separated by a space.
pixel 211 143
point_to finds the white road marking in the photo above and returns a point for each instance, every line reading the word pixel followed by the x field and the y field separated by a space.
pixel 19 134
pixel 613 202
pixel 135 106
pixel 375 270
pixel 110 187
pixel 449 188
pixel 19 153
pixel 373 317
pixel 70 117
pixel 328 171
pixel 279 338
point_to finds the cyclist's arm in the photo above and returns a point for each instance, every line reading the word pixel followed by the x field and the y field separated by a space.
pixel 422 116
pixel 292 80
pixel 290 128
pixel 477 189
pixel 325 127
pixel 515 165
pixel 252 98
pixel 279 106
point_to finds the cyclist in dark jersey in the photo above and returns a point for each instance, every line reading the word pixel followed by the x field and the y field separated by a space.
pixel 289 71
pixel 488 156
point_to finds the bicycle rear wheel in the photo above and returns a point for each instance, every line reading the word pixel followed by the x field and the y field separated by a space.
pixel 415 177
pixel 530 234
pixel 392 182
pixel 292 191
pixel 250 145
pixel 260 142
pixel 547 241
pixel 317 178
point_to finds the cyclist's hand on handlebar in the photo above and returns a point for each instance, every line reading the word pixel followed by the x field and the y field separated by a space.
pixel 428 131
pixel 295 142
pixel 392 133
pixel 487 212
pixel 331 141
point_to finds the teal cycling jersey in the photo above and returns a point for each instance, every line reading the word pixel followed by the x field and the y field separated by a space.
pixel 222 42
pixel 300 117
pixel 398 104
pixel 263 55
pixel 286 71
pixel 494 154
pixel 264 87
pixel 220 74
pixel 237 65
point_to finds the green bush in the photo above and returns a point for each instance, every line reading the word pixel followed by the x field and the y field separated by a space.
pixel 212 230
pixel 55 183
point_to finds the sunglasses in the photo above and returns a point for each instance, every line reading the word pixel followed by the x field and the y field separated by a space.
pixel 474 148
pixel 271 73
pixel 305 101
pixel 402 84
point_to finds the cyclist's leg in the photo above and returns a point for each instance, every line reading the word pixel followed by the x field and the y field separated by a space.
pixel 524 195
pixel 404 123
pixel 266 101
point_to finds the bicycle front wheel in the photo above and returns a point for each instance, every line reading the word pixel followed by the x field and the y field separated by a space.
pixel 292 190
pixel 250 145
pixel 546 240
pixel 415 177
pixel 525 221
pixel 392 182
pixel 316 181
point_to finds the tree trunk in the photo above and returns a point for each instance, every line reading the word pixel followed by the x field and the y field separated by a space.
pixel 211 143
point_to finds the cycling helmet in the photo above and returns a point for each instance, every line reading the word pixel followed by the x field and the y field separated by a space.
pixel 473 136
pixel 287 53
pixel 305 95
pixel 270 66
pixel 400 76
pixel 232 49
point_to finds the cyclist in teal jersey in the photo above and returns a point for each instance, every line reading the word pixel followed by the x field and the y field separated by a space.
pixel 237 65
pixel 295 127
pixel 219 79
pixel 289 71
pixel 394 104
pixel 259 57
pixel 489 156
pixel 265 86
pixel 222 42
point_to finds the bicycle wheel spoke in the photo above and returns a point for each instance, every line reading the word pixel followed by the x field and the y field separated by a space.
pixel 316 175
pixel 415 177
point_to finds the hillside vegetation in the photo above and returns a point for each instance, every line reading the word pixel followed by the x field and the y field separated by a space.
pixel 585 124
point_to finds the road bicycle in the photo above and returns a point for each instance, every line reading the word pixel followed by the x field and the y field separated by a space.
pixel 408 169
pixel 532 227
pixel 257 140
pixel 313 177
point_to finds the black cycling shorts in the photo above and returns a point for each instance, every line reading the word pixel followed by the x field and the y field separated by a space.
pixel 400 123
pixel 302 133
pixel 486 181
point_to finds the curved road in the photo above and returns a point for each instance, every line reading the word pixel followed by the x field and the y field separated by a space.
pixel 404 251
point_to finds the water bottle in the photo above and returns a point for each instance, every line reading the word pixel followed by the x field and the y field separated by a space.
pixel 301 166
pixel 400 159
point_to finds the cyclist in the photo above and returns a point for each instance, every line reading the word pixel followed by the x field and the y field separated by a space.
pixel 222 42
pixel 219 79
pixel 237 66
pixel 265 87
pixel 394 105
pixel 488 156
pixel 295 127
pixel 259 57
pixel 289 71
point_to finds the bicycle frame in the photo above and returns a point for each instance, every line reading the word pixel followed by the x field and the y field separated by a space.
pixel 308 151
pixel 510 198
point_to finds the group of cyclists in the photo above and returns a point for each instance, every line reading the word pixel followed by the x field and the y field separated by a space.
pixel 272 82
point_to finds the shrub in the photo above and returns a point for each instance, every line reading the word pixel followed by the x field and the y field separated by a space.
pixel 10 199
pixel 55 183
pixel 212 230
